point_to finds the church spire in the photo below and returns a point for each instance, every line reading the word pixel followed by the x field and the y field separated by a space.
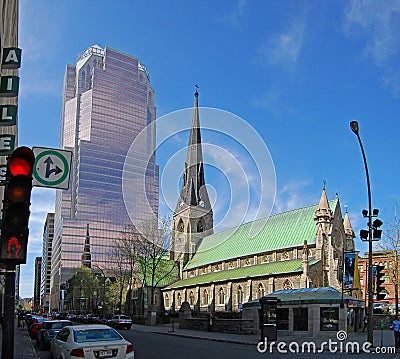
pixel 194 192
pixel 323 211
pixel 86 256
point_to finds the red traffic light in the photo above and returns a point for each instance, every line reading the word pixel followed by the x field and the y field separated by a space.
pixel 22 161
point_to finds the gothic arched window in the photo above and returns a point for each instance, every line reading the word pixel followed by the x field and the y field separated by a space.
pixel 179 300
pixel 260 291
pixel 191 298
pixel 200 227
pixel 205 297
pixel 181 226
pixel 240 294
pixel 166 300
pixel 221 296
pixel 287 284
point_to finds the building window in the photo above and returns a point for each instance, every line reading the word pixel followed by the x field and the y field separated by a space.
pixel 285 255
pixel 247 262
pixel 240 294
pixel 266 258
pixel 204 298
pixel 166 300
pixel 329 319
pixel 191 298
pixel 181 227
pixel 260 292
pixel 155 299
pixel 199 227
pixel 179 300
pixel 282 318
pixel 221 296
pixel 300 319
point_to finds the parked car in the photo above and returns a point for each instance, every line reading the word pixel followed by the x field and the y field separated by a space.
pixel 49 330
pixel 35 326
pixel 90 341
pixel 120 321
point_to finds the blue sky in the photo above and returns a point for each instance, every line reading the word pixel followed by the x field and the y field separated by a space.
pixel 296 71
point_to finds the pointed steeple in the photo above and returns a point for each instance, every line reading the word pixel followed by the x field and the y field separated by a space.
pixel 323 211
pixel 194 192
pixel 86 256
pixel 349 232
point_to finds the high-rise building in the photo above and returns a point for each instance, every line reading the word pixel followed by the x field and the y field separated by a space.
pixel 48 234
pixel 107 101
pixel 37 282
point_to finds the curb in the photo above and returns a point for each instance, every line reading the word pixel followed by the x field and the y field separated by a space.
pixel 35 354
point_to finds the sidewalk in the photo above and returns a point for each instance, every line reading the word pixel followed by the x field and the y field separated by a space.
pixel 388 337
pixel 23 346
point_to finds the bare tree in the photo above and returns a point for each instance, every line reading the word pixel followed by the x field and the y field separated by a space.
pixel 391 244
pixel 155 265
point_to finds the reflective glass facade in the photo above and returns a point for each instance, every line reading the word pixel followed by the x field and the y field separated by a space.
pixel 107 102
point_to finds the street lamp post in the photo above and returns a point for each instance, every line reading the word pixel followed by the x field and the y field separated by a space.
pixel 104 288
pixel 370 336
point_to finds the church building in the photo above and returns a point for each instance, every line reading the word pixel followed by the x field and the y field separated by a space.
pixel 300 248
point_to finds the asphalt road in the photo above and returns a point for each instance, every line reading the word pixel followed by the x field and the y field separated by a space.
pixel 152 346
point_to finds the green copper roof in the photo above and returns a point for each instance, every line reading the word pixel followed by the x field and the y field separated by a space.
pixel 286 266
pixel 283 230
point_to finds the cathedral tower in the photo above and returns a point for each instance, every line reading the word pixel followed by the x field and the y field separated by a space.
pixel 193 216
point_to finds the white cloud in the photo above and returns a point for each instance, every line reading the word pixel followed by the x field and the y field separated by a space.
pixel 284 49
pixel 273 102
pixel 378 23
pixel 234 16
pixel 293 195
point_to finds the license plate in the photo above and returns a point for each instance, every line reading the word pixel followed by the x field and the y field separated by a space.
pixel 105 353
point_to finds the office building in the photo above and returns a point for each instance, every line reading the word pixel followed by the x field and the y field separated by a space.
pixel 107 101
pixel 37 282
pixel 48 234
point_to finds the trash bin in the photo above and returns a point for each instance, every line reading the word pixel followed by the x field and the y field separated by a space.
pixel 268 331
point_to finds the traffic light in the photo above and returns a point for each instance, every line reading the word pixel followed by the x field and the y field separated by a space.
pixel 379 288
pixel 16 203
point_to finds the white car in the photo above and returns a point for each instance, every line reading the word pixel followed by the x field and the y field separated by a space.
pixel 91 341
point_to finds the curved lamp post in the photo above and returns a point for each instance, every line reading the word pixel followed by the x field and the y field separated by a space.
pixel 354 127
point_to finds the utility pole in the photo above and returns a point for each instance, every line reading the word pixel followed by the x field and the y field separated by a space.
pixel 7 344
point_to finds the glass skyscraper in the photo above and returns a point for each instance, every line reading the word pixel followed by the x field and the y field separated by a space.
pixel 107 101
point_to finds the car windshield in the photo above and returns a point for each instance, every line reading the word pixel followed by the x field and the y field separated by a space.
pixel 124 317
pixel 55 325
pixel 95 335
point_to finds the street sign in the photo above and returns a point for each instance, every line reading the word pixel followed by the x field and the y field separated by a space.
pixel 52 167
